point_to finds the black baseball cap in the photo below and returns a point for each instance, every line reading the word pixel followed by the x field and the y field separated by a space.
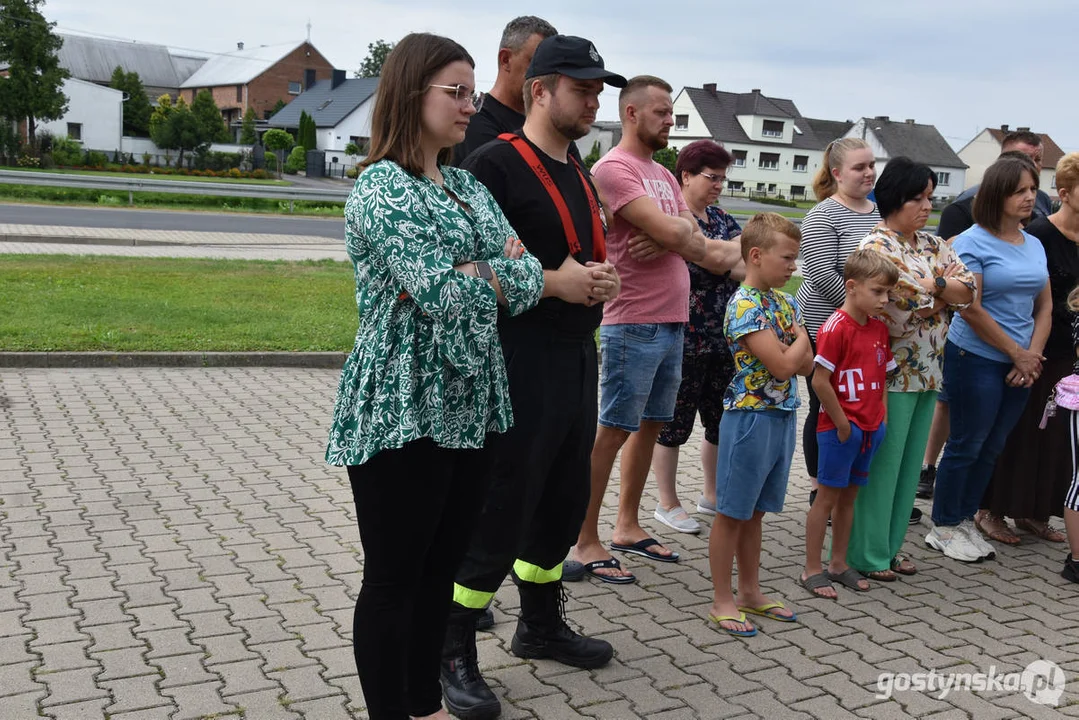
pixel 573 57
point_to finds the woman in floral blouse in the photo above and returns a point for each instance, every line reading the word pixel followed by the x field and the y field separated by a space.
pixel 932 279
pixel 425 382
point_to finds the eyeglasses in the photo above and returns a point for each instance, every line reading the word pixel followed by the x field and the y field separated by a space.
pixel 714 179
pixel 461 93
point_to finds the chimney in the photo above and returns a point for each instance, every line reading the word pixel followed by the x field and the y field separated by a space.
pixel 710 87
pixel 909 121
pixel 1022 129
pixel 309 79
pixel 239 46
pixel 756 91
pixel 1004 128
pixel 882 117
pixel 338 78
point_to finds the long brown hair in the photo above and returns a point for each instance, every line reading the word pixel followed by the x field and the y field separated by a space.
pixel 1000 180
pixel 397 120
pixel 824 184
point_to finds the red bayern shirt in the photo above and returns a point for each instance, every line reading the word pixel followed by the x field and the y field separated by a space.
pixel 860 357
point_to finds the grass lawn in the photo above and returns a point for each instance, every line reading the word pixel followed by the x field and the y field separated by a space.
pixel 147 176
pixel 53 302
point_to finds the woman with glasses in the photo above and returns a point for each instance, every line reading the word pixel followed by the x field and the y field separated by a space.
pixel 707 365
pixel 435 260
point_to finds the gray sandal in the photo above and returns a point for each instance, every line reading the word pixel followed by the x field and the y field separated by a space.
pixel 849 578
pixel 816 582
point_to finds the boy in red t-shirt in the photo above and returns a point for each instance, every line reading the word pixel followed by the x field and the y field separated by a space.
pixel 853 359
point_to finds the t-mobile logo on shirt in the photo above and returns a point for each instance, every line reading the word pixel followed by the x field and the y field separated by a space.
pixel 851 382
pixel 662 192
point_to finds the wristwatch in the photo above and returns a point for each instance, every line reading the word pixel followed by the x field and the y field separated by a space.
pixel 483 270
pixel 942 285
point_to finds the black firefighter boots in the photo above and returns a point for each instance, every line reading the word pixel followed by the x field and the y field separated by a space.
pixel 463 687
pixel 542 631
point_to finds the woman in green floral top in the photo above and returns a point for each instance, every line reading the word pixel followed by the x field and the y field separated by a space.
pixel 426 381
pixel 932 279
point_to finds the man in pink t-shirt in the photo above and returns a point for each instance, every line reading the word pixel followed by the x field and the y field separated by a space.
pixel 641 334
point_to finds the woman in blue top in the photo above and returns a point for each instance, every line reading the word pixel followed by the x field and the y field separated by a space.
pixel 994 351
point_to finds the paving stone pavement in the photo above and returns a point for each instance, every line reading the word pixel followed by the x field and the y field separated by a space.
pixel 172 546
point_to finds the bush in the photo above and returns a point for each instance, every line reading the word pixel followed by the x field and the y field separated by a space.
pixel 28 161
pixel 296 161
pixel 352 173
pixel 271 162
pixel 95 159
pixel 775 201
pixel 66 151
pixel 146 158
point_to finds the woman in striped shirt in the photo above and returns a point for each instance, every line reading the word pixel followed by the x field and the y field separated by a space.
pixel 830 232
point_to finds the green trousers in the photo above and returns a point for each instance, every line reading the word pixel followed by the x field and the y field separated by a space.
pixel 882 508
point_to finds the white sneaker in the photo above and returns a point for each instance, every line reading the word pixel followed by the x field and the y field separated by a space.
pixel 988 552
pixel 678 519
pixel 704 507
pixel 954 543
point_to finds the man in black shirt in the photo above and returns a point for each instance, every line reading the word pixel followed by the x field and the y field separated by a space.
pixel 541 468
pixel 502 109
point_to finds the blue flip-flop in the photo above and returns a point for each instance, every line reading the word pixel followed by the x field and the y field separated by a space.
pixel 641 548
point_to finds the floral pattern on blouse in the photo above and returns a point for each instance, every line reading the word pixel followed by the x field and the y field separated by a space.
pixel 427 360
pixel 917 342
pixel 709 293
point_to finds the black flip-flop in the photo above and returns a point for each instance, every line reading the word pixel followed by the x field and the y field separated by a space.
pixel 641 548
pixel 849 579
pixel 611 563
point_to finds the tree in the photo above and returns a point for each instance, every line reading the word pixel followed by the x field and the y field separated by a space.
pixel 376 56
pixel 33 89
pixel 307 132
pixel 352 149
pixel 248 136
pixel 137 108
pixel 593 156
pixel 175 127
pixel 666 157
pixel 278 141
pixel 297 160
pixel 276 109
pixel 211 125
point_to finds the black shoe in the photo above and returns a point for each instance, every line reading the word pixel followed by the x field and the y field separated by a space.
pixel 486 621
pixel 925 483
pixel 542 631
pixel 466 693
pixel 915 516
pixel 1071 570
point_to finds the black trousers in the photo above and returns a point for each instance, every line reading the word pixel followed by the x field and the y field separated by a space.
pixel 540 469
pixel 809 428
pixel 410 559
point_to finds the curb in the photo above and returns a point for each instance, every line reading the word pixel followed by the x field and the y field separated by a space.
pixel 319 360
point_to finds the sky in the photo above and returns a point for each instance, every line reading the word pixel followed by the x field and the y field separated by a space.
pixel 961 65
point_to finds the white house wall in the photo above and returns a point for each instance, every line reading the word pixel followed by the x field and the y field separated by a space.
pixel 100 111
pixel 355 124
pixel 695 128
pixel 752 176
pixel 979 154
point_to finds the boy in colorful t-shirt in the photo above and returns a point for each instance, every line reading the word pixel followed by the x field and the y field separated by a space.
pixel 763 327
pixel 853 359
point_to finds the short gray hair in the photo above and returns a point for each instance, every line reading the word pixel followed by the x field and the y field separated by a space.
pixel 520 29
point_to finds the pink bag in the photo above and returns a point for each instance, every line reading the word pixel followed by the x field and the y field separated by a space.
pixel 1065 395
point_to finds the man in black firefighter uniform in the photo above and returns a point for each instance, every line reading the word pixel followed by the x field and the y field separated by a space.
pixel 541 468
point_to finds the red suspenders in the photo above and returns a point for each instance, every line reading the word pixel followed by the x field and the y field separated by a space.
pixel 599 243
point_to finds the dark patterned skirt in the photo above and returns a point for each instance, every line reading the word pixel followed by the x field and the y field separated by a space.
pixel 1034 471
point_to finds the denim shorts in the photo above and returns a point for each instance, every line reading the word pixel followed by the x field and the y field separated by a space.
pixel 642 369
pixel 755 451
pixel 843 464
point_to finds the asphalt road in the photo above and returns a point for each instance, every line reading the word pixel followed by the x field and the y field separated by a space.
pixel 163 220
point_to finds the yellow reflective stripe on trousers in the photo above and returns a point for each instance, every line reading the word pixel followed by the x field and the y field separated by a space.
pixel 473 599
pixel 535 574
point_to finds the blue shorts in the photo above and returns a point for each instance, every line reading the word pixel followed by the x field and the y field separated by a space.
pixel 642 370
pixel 755 451
pixel 847 463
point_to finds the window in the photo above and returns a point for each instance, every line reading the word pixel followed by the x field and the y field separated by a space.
pixel 760 187
pixel 734 186
pixel 739 158
pixel 771 188
pixel 1053 182
pixel 681 122
pixel 295 88
pixel 798 191
pixel 801 163
pixel 74 131
pixel 772 128
pixel 769 161
pixel 943 178
pixel 239 93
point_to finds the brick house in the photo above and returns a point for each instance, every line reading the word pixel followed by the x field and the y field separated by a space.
pixel 257 78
